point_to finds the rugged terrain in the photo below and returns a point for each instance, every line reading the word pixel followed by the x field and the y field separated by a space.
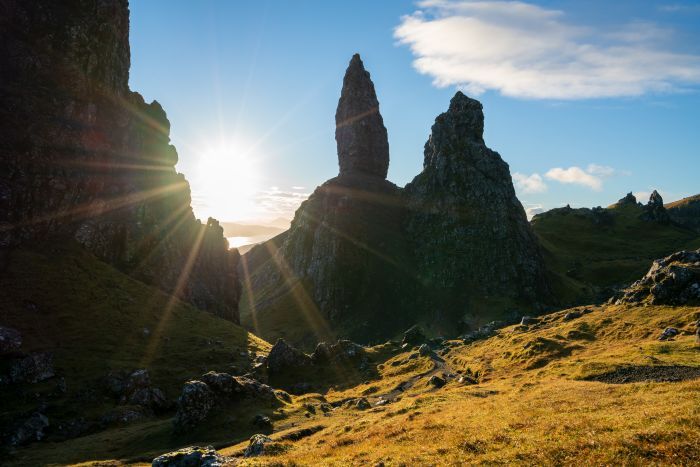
pixel 365 259
pixel 85 159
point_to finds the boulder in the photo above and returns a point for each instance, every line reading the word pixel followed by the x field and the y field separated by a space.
pixel 10 340
pixel 263 422
pixel 193 456
pixel 32 368
pixel 437 381
pixel 673 280
pixel 285 358
pixel 362 404
pixel 425 351
pixel 194 405
pixel 256 447
pixel 668 334
pixel 31 429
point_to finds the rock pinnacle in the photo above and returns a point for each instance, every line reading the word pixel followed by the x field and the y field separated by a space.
pixel 360 133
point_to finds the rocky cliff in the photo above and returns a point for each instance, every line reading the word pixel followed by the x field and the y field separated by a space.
pixel 83 158
pixel 341 268
pixel 472 243
pixel 365 259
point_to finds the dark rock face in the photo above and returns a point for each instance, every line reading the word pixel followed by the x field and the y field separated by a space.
pixel 32 368
pixel 471 238
pixel 364 259
pixel 83 158
pixel 674 280
pixel 31 429
pixel 654 210
pixel 686 212
pixel 360 133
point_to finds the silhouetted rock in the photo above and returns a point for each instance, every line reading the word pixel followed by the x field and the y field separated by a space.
pixel 674 280
pixel 83 158
pixel 364 259
pixel 359 129
pixel 628 200
pixel 414 336
pixel 654 210
pixel 470 235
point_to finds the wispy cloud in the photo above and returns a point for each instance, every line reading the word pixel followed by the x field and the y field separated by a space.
pixel 275 202
pixel 527 51
pixel 575 175
pixel 529 183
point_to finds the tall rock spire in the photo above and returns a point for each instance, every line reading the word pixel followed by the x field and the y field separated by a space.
pixel 359 132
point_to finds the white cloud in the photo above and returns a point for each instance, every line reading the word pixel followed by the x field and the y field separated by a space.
pixel 529 183
pixel 575 175
pixel 527 51
pixel 600 170
pixel 533 209
pixel 277 203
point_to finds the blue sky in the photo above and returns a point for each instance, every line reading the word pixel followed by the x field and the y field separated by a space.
pixel 585 100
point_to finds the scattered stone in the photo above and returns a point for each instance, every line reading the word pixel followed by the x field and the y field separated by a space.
pixel 32 429
pixel 484 332
pixel 668 334
pixel 529 320
pixel 33 368
pixel 573 315
pixel 257 445
pixel 437 381
pixel 193 456
pixel 285 358
pixel 123 415
pixel 10 340
pixel 362 404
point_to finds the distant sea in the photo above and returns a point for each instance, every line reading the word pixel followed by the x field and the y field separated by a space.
pixel 246 243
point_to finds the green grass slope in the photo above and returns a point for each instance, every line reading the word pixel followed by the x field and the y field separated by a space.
pixel 544 396
pixel 585 257
pixel 94 319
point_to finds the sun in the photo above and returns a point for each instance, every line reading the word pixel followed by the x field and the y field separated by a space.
pixel 228 180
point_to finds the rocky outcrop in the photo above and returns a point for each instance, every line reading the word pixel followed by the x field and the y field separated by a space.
pixel 342 269
pixel 364 259
pixel 686 212
pixel 84 159
pixel 284 358
pixel 628 200
pixel 654 210
pixel 193 456
pixel 674 280
pixel 212 390
pixel 359 129
pixel 471 239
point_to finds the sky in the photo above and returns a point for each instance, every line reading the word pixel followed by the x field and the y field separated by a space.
pixel 585 100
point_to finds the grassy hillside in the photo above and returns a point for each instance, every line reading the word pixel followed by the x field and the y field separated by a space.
pixel 536 401
pixel 586 254
pixel 96 320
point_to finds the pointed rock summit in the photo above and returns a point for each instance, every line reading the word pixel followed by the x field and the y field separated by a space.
pixel 365 260
pixel 359 129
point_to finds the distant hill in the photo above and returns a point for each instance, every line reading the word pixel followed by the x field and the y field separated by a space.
pixel 590 252
pixel 686 212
